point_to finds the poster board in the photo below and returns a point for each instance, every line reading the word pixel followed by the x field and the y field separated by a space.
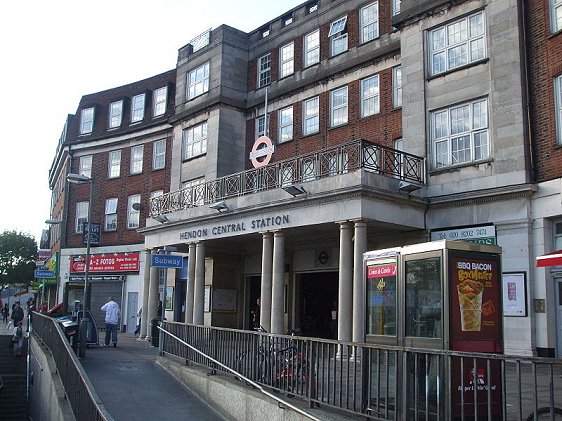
pixel 514 294
pixel 224 300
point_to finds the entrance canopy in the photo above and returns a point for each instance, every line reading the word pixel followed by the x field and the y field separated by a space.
pixel 550 259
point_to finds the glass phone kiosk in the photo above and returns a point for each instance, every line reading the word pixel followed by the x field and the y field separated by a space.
pixel 440 295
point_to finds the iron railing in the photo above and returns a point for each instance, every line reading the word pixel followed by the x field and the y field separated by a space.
pixel 376 381
pixel 84 401
pixel 352 156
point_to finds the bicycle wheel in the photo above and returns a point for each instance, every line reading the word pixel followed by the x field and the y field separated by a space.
pixel 545 414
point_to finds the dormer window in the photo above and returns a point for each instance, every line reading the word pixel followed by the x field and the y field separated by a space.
pixel 287 20
pixel 338 36
pixel 265 32
pixel 311 8
pixel 137 109
pixel 115 114
pixel 87 121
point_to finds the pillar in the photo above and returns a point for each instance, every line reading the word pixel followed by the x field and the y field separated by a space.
pixel 266 275
pixel 190 293
pixel 199 288
pixel 345 287
pixel 153 297
pixel 145 321
pixel 277 319
pixel 359 247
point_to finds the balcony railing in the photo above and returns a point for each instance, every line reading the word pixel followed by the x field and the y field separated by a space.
pixel 352 156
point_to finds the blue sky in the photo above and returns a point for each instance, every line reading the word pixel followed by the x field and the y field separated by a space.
pixel 53 52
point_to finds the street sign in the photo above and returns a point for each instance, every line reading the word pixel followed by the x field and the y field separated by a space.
pixel 95 230
pixel 48 274
pixel 166 261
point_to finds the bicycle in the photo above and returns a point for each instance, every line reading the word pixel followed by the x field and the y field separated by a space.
pixel 254 363
pixel 545 413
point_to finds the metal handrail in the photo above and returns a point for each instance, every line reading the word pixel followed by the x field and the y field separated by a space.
pixel 348 157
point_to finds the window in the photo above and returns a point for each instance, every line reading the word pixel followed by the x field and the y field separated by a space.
pixel 395 7
pixel 137 108
pixel 338 36
pixel 338 109
pixel 86 165
pixel 457 44
pixel 370 96
pixel 370 22
pixel 460 134
pixel 312 7
pixel 133 216
pixel 194 191
pixel 287 20
pixel 312 48
pixel 558 108
pixel 264 70
pixel 397 87
pixel 87 121
pixel 195 141
pixel 115 114
pixel 114 164
pixel 286 124
pixel 137 156
pixel 558 236
pixel 311 116
pixel 261 128
pixel 81 216
pixel 198 81
pixel 556 15
pixel 287 55
pixel 160 98
pixel 159 154
pixel 265 32
pixel 111 214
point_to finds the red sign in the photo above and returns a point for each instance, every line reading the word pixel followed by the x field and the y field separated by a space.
pixel 119 262
pixel 381 271
pixel 263 148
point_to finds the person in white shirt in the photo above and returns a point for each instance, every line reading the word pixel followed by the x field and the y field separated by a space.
pixel 112 314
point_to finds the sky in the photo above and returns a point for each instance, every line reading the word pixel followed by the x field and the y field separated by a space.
pixel 54 52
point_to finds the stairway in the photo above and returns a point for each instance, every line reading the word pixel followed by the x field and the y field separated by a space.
pixel 13 399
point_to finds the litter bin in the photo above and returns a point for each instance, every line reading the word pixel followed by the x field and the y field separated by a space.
pixel 155 332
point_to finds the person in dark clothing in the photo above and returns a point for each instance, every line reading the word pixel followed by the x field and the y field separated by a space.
pixel 17 313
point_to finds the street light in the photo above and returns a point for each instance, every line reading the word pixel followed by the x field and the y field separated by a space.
pixel 81 179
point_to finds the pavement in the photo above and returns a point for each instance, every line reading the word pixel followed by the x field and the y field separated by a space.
pixel 132 386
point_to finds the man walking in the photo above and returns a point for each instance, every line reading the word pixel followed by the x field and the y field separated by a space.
pixel 17 313
pixel 112 313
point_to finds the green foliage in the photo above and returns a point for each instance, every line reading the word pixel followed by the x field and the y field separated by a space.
pixel 18 252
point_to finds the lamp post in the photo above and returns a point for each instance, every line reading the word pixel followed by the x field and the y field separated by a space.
pixel 81 179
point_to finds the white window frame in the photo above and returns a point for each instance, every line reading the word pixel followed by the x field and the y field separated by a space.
pixel 264 70
pixel 81 216
pixel 455 144
pixel 115 114
pixel 558 108
pixel 85 166
pixel 133 216
pixel 114 164
pixel 287 60
pixel 446 41
pixel 370 96
pixel 338 36
pixel 111 214
pixel 338 106
pixel 87 120
pixel 194 141
pixel 311 48
pixel 159 154
pixel 286 124
pixel 160 99
pixel 397 86
pixel 261 128
pixel 198 81
pixel 137 158
pixel 557 231
pixel 395 7
pixel 555 15
pixel 311 116
pixel 137 108
pixel 369 17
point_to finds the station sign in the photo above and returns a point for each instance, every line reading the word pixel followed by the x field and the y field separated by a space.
pixel 166 261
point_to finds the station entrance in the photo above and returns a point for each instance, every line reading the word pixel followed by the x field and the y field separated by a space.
pixel 316 295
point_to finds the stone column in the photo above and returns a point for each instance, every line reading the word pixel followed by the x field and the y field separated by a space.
pixel 266 274
pixel 359 247
pixel 190 292
pixel 145 321
pixel 153 298
pixel 345 287
pixel 277 319
pixel 199 290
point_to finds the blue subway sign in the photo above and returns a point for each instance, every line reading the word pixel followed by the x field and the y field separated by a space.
pixel 166 261
pixel 46 274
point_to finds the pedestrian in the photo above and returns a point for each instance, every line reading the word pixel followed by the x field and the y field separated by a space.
pixel 5 313
pixel 112 314
pixel 159 311
pixel 255 315
pixel 17 313
pixel 17 339
pixel 139 315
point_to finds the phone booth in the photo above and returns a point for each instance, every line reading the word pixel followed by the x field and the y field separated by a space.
pixel 440 295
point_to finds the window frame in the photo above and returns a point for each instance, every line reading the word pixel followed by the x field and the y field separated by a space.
pixel 85 166
pixel 287 60
pixel 133 216
pixel 114 164
pixel 115 114
pixel 81 216
pixel 312 117
pixel 367 33
pixel 395 7
pixel 187 145
pixel 555 24
pixel 137 111
pixel 159 154
pixel 110 212
pixel 366 99
pixel 262 129
pixel 285 128
pixel 338 36
pixel 197 84
pixel 339 107
pixel 558 108
pixel 159 102
pixel 136 161
pixel 397 87
pixel 87 120
pixel 264 70
pixel 311 48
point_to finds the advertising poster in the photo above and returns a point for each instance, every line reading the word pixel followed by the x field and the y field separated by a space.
pixel 381 291
pixel 118 262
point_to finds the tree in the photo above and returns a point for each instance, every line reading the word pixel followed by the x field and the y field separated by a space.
pixel 18 252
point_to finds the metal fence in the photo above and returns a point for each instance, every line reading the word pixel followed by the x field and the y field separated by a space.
pixel 80 393
pixel 352 156
pixel 380 382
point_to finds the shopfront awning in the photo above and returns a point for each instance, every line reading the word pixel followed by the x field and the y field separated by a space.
pixel 550 259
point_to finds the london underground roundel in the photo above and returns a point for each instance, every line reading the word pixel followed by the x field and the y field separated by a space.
pixel 263 148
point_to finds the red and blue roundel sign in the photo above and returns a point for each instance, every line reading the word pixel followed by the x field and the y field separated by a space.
pixel 263 148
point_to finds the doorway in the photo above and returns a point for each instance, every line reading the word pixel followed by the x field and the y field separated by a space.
pixel 316 294
pixel 251 310
pixel 559 318
pixel 132 310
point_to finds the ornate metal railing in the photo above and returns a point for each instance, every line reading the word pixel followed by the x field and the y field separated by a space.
pixel 352 156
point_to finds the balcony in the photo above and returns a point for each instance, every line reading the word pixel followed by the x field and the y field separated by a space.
pixel 342 159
